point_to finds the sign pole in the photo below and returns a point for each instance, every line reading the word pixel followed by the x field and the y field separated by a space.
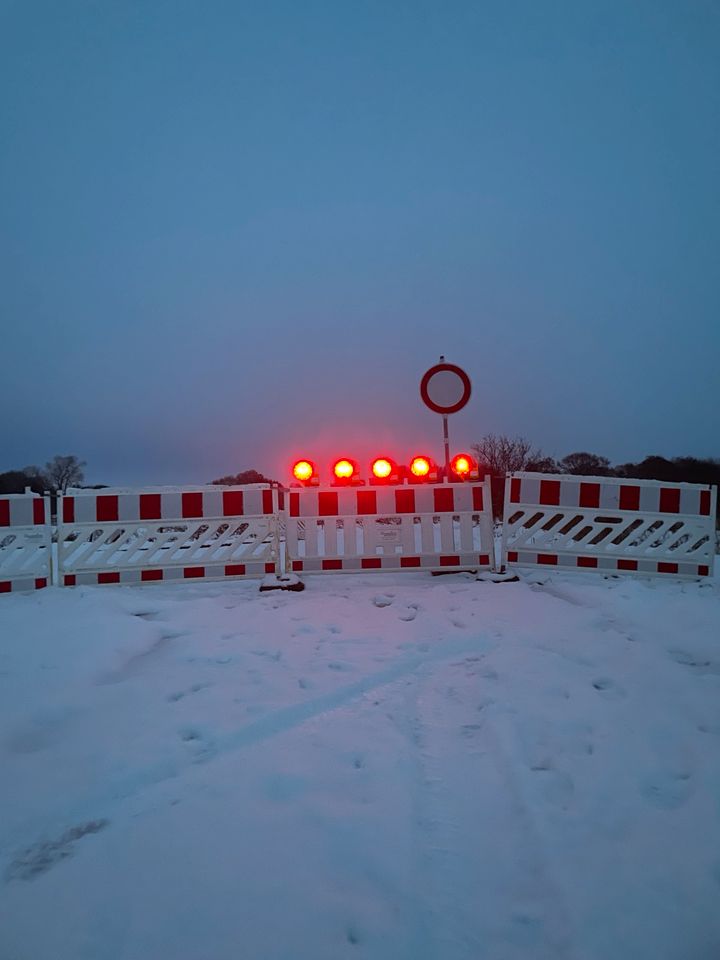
pixel 446 441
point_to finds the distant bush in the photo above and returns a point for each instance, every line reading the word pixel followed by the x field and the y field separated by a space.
pixel 245 477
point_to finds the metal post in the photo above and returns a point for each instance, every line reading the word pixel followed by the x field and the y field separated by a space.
pixel 446 441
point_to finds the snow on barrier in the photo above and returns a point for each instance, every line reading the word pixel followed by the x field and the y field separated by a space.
pixel 432 527
pixel 642 527
pixel 25 542
pixel 205 533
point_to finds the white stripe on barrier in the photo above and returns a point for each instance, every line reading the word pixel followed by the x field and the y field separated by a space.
pixel 208 533
pixel 430 527
pixel 25 542
pixel 642 527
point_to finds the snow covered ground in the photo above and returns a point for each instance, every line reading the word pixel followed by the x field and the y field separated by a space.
pixel 382 767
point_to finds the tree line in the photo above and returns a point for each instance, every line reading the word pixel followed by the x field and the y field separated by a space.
pixel 55 477
pixel 498 454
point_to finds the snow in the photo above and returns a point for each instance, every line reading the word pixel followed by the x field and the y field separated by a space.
pixel 392 767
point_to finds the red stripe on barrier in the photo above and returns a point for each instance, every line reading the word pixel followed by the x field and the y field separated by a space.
pixel 587 561
pixel 669 500
pixel 589 495
pixel 547 558
pixel 327 504
pixel 550 492
pixel 449 561
pixel 38 511
pixel 191 573
pixel 515 490
pixel 68 510
pixel 443 500
pixel 512 556
pixel 371 563
pixel 705 503
pixel 409 561
pixel 477 498
pixel 269 568
pixel 106 508
pixel 405 501
pixel 40 583
pixel 150 506
pixel 629 498
pixel 232 503
pixel 332 565
pixel 366 502
pixel 667 568
pixel 108 578
pixel 294 505
pixel 69 580
pixel 235 570
pixel 267 501
pixel 484 559
pixel 5 586
pixel 4 513
pixel 703 571
pixel 192 505
pixel 297 565
pixel 627 565
pixel 151 574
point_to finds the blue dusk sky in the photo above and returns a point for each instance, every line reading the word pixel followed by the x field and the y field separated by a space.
pixel 232 233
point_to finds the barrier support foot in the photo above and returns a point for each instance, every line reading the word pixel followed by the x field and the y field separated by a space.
pixel 285 581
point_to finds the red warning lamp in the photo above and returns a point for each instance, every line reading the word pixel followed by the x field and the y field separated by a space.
pixel 304 471
pixel 423 470
pixel 464 467
pixel 384 470
pixel 345 472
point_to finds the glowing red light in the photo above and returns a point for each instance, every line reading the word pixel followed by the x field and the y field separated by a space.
pixel 344 469
pixel 303 470
pixel 420 466
pixel 462 464
pixel 382 468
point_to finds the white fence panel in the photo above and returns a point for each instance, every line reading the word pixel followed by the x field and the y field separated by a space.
pixel 641 527
pixel 25 542
pixel 431 527
pixel 206 533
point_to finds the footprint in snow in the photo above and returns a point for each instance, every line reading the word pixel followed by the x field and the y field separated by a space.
pixel 181 694
pixel 200 745
pixel 608 689
pixel 698 664
pixel 666 789
pixel 147 614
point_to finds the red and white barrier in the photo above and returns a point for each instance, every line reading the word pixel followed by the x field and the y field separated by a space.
pixel 25 542
pixel 642 527
pixel 429 527
pixel 209 533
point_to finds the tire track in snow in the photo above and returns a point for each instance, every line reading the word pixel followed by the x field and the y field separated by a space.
pixel 271 725
pixel 468 807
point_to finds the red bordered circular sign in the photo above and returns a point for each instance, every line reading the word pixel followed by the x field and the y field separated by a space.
pixel 445 388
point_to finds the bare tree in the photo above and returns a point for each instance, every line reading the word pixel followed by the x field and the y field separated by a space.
pixel 64 472
pixel 500 454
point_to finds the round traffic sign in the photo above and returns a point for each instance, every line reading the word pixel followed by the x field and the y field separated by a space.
pixel 445 388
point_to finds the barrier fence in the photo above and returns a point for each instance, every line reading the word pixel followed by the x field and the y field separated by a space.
pixel 25 542
pixel 643 527
pixel 613 526
pixel 430 527
pixel 209 533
